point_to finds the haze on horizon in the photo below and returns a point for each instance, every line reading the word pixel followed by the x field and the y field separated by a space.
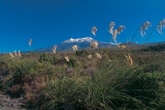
pixel 49 22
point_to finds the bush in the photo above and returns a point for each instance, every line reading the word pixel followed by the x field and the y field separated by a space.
pixel 81 53
pixel 45 58
pixel 72 62
pixel 146 88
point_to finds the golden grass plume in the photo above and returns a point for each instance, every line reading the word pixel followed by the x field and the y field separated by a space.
pixel 94 45
pixel 11 55
pixel 75 48
pixel 98 55
pixel 19 53
pixel 129 59
pixel 111 27
pixel 160 26
pixel 89 56
pixel 94 29
pixel 144 27
pixel 117 31
pixel 30 42
pixel 66 59
pixel 54 49
pixel 15 53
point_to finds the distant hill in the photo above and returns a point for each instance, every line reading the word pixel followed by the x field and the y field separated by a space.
pixel 84 43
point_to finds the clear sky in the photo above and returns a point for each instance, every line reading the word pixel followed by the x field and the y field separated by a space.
pixel 49 22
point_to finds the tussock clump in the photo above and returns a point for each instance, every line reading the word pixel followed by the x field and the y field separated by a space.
pixel 82 52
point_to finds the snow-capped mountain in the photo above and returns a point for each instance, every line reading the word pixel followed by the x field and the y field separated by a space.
pixel 82 43
pixel 80 40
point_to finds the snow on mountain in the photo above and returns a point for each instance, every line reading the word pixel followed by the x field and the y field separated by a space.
pixel 80 40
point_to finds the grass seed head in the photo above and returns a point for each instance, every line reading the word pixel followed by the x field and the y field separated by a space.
pixel 19 53
pixel 144 27
pixel 111 27
pixel 54 49
pixel 98 55
pixel 94 44
pixel 117 31
pixel 11 55
pixel 66 59
pixel 89 56
pixel 75 48
pixel 30 42
pixel 129 59
pixel 160 26
pixel 94 29
pixel 15 53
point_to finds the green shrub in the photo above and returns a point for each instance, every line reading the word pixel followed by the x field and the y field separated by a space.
pixel 72 62
pixel 46 58
pixel 81 53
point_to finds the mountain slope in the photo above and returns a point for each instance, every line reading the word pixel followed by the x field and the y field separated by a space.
pixel 82 43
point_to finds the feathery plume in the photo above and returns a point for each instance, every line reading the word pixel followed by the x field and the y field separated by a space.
pixel 114 36
pixel 89 56
pixel 30 42
pixel 66 59
pixel 98 55
pixel 15 53
pixel 75 48
pixel 129 58
pixel 144 27
pixel 111 27
pixel 117 31
pixel 121 46
pixel 54 49
pixel 94 29
pixel 118 46
pixel 160 26
pixel 120 28
pixel 19 53
pixel 11 55
pixel 94 44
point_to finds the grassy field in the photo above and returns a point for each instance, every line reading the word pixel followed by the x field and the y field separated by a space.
pixel 47 81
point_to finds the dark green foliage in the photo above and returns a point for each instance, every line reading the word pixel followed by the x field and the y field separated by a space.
pixel 91 84
pixel 72 62
pixel 46 58
pixel 151 68
pixel 82 52
pixel 145 88
pixel 160 47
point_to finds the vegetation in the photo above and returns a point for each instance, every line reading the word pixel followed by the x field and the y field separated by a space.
pixel 47 81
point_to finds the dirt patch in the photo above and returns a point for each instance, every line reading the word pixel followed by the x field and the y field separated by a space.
pixel 8 103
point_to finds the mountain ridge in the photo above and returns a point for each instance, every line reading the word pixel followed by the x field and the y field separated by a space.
pixel 84 43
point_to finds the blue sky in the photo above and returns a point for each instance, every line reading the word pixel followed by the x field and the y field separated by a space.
pixel 49 22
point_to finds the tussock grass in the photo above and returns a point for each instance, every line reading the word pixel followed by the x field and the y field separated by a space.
pixel 47 81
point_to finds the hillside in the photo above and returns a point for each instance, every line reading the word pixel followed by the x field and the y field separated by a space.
pixel 106 79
